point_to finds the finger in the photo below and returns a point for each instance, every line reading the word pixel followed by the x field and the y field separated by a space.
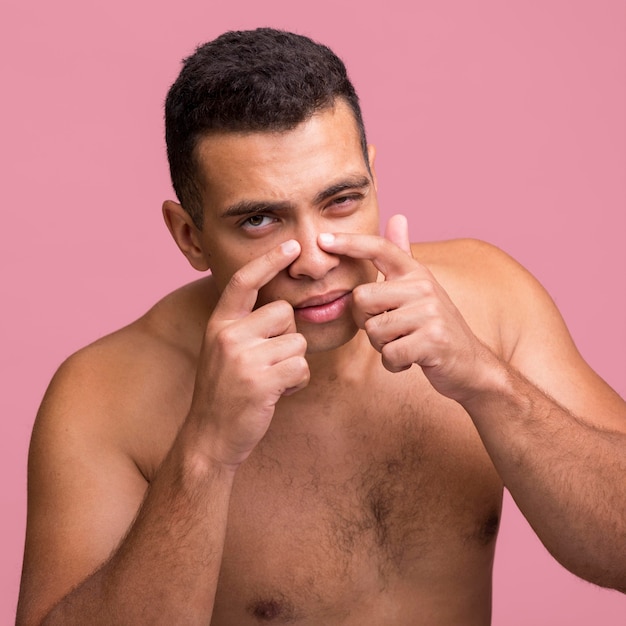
pixel 271 320
pixel 388 258
pixel 278 349
pixel 294 374
pixel 389 326
pixel 397 231
pixel 371 299
pixel 291 373
pixel 399 355
pixel 241 292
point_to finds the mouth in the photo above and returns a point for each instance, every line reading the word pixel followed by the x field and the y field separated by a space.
pixel 323 308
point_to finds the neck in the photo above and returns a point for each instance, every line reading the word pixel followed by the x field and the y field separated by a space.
pixel 345 362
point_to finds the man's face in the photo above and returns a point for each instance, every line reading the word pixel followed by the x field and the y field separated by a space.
pixel 262 188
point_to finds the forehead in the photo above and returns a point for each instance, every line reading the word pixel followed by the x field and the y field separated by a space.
pixel 288 165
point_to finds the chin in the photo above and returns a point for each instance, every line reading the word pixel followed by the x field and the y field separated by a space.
pixel 327 337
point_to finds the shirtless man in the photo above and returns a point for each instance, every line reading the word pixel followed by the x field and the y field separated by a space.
pixel 320 430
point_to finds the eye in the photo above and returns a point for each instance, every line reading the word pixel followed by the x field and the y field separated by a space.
pixel 344 199
pixel 347 203
pixel 257 221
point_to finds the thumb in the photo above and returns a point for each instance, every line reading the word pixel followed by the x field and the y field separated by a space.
pixel 397 231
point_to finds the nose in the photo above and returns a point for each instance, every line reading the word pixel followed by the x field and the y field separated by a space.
pixel 313 262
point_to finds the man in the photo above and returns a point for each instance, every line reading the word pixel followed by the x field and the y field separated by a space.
pixel 320 430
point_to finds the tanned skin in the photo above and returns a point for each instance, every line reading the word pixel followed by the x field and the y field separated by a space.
pixel 319 431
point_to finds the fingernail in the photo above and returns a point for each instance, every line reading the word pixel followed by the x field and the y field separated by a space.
pixel 327 238
pixel 289 247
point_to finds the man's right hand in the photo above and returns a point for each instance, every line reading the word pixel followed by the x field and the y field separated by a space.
pixel 249 359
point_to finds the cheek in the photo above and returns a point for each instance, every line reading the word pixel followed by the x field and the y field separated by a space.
pixel 371 224
pixel 223 264
pixel 355 271
pixel 271 292
pixel 368 272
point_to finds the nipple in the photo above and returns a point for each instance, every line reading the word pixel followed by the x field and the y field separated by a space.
pixel 277 608
pixel 267 610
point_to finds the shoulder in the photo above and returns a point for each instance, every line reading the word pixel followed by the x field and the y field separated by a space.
pixel 107 420
pixel 468 265
pixel 127 388
pixel 125 360
pixel 493 291
pixel 169 331
pixel 466 259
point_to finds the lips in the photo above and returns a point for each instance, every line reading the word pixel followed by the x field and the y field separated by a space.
pixel 321 299
pixel 323 308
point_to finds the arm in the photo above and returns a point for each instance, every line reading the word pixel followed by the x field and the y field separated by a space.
pixel 84 494
pixel 557 434
pixel 563 455
pixel 103 548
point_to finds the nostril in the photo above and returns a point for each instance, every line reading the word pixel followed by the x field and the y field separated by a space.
pixel 313 261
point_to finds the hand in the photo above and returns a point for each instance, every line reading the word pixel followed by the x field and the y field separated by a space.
pixel 249 359
pixel 409 318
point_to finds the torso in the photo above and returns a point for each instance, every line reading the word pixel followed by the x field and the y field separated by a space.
pixel 385 514
pixel 371 500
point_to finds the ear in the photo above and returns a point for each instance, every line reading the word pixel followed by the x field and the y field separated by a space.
pixel 371 155
pixel 186 235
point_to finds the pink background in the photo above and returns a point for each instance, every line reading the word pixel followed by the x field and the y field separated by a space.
pixel 498 120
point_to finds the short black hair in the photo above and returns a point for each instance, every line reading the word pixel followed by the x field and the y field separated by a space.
pixel 255 80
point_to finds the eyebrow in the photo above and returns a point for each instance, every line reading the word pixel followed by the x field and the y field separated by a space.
pixel 357 182
pixel 252 207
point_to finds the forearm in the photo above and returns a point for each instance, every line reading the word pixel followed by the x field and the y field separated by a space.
pixel 566 475
pixel 166 568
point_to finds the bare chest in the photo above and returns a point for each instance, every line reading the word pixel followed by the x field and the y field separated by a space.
pixel 371 492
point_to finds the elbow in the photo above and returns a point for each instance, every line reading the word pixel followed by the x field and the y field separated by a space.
pixel 610 574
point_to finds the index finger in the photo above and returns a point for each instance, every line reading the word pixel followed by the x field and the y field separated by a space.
pixel 240 294
pixel 386 256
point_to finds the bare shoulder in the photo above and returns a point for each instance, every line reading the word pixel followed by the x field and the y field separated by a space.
pixel 107 419
pixel 510 311
pixel 125 392
pixel 128 378
pixel 468 260
pixel 136 359
pixel 490 288
pixel 117 403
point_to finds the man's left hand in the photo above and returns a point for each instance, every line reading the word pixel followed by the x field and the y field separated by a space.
pixel 409 318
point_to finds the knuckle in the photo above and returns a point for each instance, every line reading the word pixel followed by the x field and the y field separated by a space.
pixel 375 326
pixel 226 338
pixel 438 333
pixel 425 287
pixel 389 353
pixel 431 309
pixel 370 325
pixel 283 308
pixel 384 319
pixel 361 293
pixel 373 331
pixel 301 366
pixel 248 381
pixel 240 280
pixel 229 349
pixel 295 370
pixel 303 370
pixel 281 312
pixel 358 293
pixel 396 355
pixel 278 308
pixel 300 344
